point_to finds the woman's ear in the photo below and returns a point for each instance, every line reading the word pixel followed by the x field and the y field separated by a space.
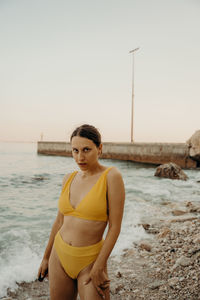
pixel 100 150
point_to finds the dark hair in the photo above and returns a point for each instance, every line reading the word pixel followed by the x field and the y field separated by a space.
pixel 89 132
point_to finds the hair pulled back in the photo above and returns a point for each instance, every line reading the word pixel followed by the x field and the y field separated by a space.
pixel 89 132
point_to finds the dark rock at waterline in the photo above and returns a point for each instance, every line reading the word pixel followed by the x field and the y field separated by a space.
pixel 39 178
pixel 145 226
pixel 170 170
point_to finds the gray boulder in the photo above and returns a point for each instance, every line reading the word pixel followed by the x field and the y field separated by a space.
pixel 194 146
pixel 170 170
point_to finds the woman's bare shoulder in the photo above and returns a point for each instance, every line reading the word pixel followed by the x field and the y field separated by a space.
pixel 113 175
pixel 115 187
pixel 65 178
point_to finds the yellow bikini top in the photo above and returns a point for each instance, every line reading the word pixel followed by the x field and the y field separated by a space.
pixel 93 206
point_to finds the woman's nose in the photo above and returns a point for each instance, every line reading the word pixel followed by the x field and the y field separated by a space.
pixel 80 156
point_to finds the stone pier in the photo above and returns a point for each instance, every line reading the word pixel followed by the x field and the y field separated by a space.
pixel 152 153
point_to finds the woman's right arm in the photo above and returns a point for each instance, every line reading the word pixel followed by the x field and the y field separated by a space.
pixel 55 228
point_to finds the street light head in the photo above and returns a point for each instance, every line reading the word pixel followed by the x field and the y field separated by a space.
pixel 134 50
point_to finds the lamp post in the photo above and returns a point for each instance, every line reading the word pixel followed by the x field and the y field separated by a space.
pixel 132 105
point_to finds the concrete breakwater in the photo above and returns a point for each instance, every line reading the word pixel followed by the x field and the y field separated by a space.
pixel 152 153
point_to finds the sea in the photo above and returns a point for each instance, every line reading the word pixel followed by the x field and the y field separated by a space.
pixel 30 185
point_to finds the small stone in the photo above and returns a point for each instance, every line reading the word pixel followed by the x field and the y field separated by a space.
pixel 130 252
pixel 173 281
pixel 119 274
pixel 196 239
pixel 158 270
pixel 178 212
pixel 165 203
pixel 189 204
pixel 126 249
pixel 156 284
pixel 183 261
pixel 164 232
pixel 183 220
pixel 193 209
pixel 153 230
pixel 144 246
pixel 119 288
pixel 146 226
pixel 172 250
pixel 194 251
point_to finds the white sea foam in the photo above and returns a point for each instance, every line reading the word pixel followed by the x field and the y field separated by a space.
pixel 22 265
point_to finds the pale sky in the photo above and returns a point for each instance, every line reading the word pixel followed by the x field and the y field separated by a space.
pixel 64 63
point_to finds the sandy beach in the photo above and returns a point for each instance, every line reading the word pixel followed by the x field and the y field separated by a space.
pixel 164 266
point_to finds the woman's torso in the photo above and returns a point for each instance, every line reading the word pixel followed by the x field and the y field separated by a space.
pixel 83 202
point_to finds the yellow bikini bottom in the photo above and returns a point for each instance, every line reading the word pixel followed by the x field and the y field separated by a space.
pixel 74 259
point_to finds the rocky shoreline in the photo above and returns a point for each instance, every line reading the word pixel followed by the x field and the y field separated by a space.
pixel 165 266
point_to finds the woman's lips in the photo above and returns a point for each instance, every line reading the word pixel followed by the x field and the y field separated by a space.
pixel 82 164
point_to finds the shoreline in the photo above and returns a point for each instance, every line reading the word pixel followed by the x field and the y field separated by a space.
pixel 164 266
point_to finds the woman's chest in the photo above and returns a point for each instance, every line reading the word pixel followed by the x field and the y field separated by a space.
pixel 79 190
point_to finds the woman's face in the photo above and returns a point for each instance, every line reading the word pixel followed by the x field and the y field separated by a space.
pixel 85 152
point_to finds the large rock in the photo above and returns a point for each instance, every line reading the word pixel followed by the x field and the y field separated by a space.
pixel 170 170
pixel 194 146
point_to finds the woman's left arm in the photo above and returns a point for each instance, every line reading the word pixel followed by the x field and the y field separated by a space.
pixel 116 197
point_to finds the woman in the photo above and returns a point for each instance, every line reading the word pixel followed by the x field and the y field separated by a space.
pixel 76 255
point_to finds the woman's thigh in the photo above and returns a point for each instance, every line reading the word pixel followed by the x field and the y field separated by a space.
pixel 88 291
pixel 61 286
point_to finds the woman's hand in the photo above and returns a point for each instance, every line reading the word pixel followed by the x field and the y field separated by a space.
pixel 43 269
pixel 99 279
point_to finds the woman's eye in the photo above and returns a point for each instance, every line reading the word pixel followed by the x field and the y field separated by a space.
pixel 86 149
pixel 75 150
